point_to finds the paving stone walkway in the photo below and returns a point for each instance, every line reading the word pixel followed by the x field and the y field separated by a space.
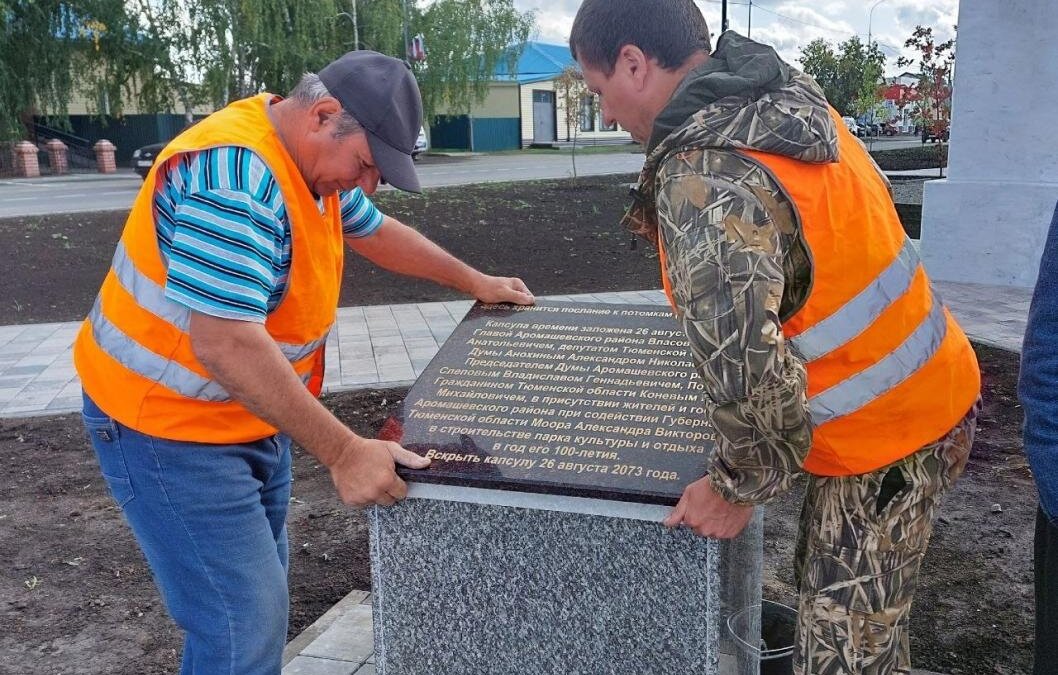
pixel 341 642
pixel 389 345
pixel 376 346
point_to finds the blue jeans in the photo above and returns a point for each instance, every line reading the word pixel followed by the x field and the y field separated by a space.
pixel 1038 392
pixel 1038 380
pixel 211 521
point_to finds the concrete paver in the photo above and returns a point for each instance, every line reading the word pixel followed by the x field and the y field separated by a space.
pixel 336 650
pixel 390 345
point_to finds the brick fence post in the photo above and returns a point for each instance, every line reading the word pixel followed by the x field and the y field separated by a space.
pixel 105 156
pixel 26 160
pixel 58 157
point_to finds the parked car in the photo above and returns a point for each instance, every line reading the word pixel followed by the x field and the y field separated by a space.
pixel 421 144
pixel 852 125
pixel 889 129
pixel 931 136
pixel 143 158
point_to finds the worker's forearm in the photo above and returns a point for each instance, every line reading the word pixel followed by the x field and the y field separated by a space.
pixel 400 249
pixel 249 365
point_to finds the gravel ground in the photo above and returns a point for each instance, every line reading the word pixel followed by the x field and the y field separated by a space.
pixel 907 191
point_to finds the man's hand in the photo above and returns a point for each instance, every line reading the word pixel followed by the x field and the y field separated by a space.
pixel 502 289
pixel 365 472
pixel 707 513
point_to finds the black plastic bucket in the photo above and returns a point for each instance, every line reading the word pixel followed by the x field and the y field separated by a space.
pixel 778 624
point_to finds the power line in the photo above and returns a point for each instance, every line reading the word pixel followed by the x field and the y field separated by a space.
pixel 813 25
pixel 806 23
pixel 756 4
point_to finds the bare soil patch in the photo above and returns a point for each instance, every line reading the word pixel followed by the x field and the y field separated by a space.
pixel 78 598
pixel 75 593
pixel 560 236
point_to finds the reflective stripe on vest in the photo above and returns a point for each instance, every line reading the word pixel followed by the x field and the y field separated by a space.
pixel 143 361
pixel 858 314
pixel 151 297
pixel 850 321
pixel 857 391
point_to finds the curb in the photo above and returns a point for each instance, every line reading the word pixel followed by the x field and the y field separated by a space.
pixel 305 638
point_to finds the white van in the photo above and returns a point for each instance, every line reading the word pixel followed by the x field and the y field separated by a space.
pixel 851 125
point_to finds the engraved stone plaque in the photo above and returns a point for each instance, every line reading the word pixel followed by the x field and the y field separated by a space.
pixel 578 399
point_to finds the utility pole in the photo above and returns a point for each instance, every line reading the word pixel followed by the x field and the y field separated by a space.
pixel 749 25
pixel 870 19
pixel 356 29
pixel 723 16
pixel 404 6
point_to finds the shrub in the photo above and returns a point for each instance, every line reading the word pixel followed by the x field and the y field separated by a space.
pixel 903 159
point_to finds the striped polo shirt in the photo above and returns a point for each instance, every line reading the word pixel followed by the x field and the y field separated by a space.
pixel 224 234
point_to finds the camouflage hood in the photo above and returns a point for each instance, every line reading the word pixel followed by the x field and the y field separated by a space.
pixel 743 97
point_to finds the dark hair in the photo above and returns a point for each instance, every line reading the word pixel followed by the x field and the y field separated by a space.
pixel 667 30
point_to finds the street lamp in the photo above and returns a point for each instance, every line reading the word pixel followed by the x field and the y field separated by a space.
pixel 356 28
pixel 870 19
pixel 404 12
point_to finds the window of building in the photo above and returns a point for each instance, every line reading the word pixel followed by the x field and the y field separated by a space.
pixel 587 113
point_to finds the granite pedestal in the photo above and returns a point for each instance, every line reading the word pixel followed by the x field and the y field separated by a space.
pixel 561 436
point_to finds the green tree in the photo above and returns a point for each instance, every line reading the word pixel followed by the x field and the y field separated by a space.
pixel 849 75
pixel 256 45
pixel 819 60
pixel 381 26
pixel 34 63
pixel 167 52
pixel 466 40
pixel 176 74
pixel 932 92
pixel 572 92
pixel 236 48
pixel 50 49
pixel 222 50
pixel 571 89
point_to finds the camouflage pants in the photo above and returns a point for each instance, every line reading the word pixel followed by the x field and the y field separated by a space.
pixel 859 550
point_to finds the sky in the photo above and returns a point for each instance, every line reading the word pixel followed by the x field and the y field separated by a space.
pixel 788 25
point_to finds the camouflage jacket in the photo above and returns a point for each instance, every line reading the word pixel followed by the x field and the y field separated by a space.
pixel 736 257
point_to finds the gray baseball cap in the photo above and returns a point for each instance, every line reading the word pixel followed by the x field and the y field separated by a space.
pixel 381 93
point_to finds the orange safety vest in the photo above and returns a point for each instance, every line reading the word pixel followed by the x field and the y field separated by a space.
pixel 889 369
pixel 133 352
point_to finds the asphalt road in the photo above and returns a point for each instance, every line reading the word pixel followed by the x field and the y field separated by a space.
pixel 98 192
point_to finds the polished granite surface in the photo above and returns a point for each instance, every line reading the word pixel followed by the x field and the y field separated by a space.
pixel 576 399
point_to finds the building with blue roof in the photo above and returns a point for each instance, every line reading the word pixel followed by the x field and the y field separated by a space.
pixel 538 62
pixel 524 108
